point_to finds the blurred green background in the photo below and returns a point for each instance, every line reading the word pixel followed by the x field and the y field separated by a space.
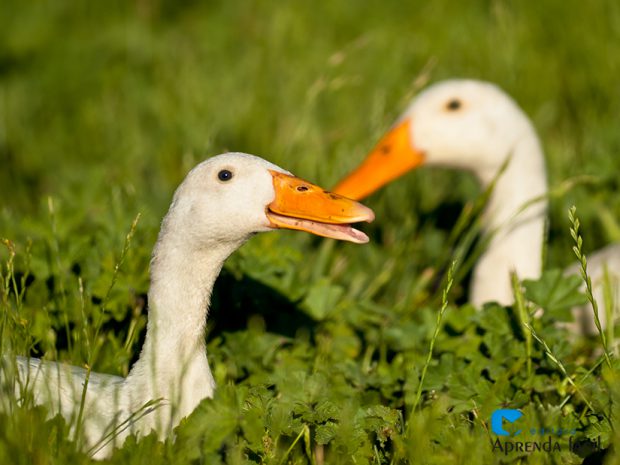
pixel 105 106
pixel 98 98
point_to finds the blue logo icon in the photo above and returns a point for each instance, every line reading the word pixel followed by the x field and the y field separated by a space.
pixel 498 417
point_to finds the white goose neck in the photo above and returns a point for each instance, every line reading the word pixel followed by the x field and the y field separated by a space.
pixel 515 225
pixel 182 280
pixel 523 180
pixel 173 363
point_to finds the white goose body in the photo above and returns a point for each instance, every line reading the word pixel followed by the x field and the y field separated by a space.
pixel 475 126
pixel 221 203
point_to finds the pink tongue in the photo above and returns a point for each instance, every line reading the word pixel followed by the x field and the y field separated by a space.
pixel 338 231
pixel 342 232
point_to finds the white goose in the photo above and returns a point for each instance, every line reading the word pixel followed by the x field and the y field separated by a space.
pixel 474 126
pixel 221 203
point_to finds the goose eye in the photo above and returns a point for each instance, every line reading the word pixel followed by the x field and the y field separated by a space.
pixel 453 104
pixel 225 175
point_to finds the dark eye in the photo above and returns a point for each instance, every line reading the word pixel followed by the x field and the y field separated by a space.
pixel 302 188
pixel 453 104
pixel 224 175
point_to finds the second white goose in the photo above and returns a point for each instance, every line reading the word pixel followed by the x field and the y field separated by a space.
pixel 475 126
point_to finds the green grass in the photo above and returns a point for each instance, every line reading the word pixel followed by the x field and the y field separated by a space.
pixel 318 348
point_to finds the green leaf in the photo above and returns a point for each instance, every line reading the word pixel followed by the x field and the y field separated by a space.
pixel 556 293
pixel 322 299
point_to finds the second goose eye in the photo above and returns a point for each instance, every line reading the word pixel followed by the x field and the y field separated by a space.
pixel 225 175
pixel 453 104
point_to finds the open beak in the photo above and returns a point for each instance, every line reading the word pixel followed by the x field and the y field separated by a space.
pixel 301 205
pixel 392 157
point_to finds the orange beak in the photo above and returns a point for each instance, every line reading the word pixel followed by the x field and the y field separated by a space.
pixel 392 157
pixel 303 206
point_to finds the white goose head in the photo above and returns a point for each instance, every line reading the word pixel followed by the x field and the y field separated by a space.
pixel 464 124
pixel 474 126
pixel 227 198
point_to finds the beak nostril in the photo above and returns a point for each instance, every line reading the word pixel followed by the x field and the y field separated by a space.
pixel 302 188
